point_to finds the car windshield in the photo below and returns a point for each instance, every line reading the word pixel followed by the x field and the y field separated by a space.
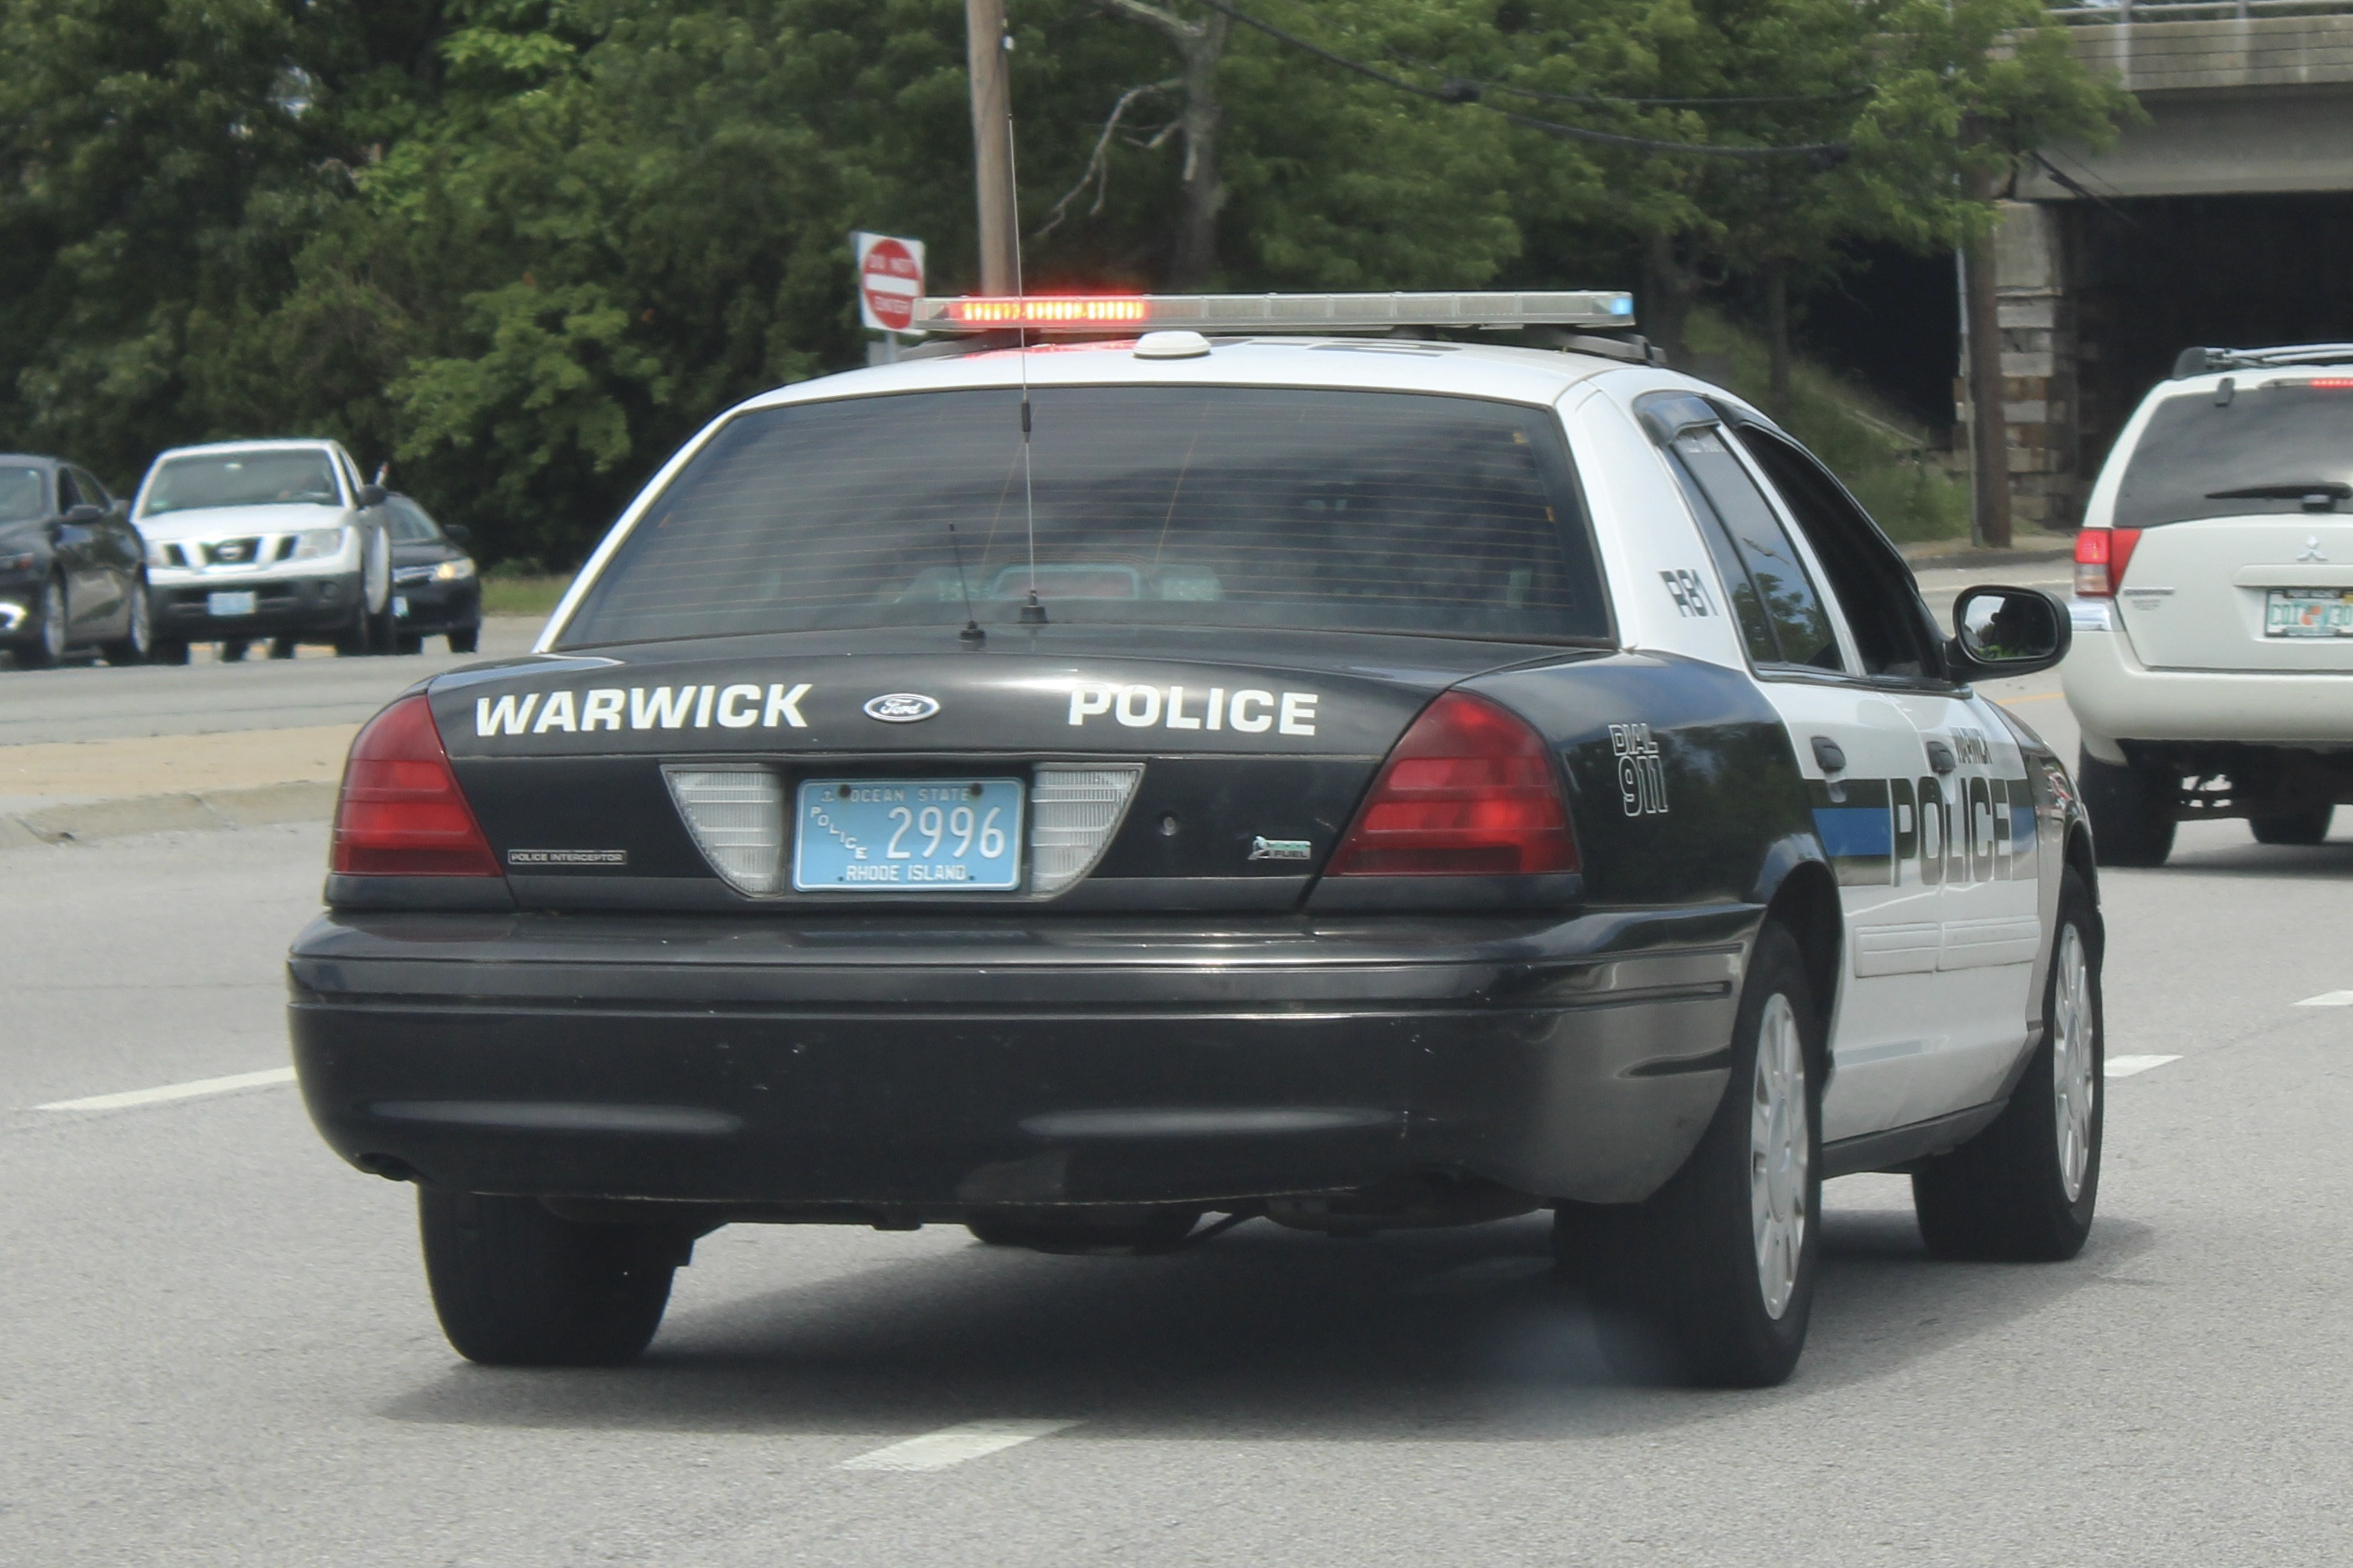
pixel 2272 444
pixel 410 525
pixel 1204 506
pixel 20 494
pixel 242 478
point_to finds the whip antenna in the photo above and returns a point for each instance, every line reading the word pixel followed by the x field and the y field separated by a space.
pixel 1033 613
pixel 971 633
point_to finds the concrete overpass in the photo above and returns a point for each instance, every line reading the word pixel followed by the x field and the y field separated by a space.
pixel 2227 218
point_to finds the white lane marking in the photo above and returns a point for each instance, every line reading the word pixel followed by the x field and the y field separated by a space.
pixel 157 1096
pixel 1486 1274
pixel 2328 999
pixel 2124 1066
pixel 954 1445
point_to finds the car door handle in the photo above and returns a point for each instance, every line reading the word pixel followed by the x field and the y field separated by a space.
pixel 1940 756
pixel 1830 753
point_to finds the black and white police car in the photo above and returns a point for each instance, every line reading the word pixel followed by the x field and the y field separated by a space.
pixel 1238 767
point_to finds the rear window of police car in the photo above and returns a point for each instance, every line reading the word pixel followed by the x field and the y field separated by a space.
pixel 1181 506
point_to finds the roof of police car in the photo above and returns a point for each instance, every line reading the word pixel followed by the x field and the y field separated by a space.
pixel 1360 364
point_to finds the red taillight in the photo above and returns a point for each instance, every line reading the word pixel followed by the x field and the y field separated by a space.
pixel 1469 792
pixel 2101 556
pixel 401 813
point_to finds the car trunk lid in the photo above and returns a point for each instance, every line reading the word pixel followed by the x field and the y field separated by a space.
pixel 2254 593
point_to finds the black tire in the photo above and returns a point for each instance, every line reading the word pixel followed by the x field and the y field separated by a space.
pixel 2004 1195
pixel 1678 1282
pixel 466 641
pixel 515 1286
pixel 234 649
pixel 407 644
pixel 51 631
pixel 2131 811
pixel 355 640
pixel 2293 827
pixel 1120 1233
pixel 137 644
pixel 170 650
pixel 383 631
pixel 284 648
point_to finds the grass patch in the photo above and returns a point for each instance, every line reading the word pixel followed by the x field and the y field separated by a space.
pixel 522 593
pixel 1881 456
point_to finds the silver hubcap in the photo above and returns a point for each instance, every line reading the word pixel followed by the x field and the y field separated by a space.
pixel 1781 1154
pixel 142 624
pixel 53 621
pixel 2074 1083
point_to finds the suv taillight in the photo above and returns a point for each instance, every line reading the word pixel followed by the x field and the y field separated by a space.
pixel 1470 791
pixel 400 813
pixel 2101 554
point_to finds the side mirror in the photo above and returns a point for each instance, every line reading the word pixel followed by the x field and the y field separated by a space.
pixel 371 495
pixel 458 533
pixel 2000 631
pixel 84 514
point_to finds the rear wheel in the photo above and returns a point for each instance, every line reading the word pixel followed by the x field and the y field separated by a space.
pixel 137 644
pixel 407 644
pixel 47 644
pixel 516 1286
pixel 282 647
pixel 170 650
pixel 1711 1281
pixel 2295 827
pixel 2023 1190
pixel 234 649
pixel 358 634
pixel 2131 810
pixel 465 641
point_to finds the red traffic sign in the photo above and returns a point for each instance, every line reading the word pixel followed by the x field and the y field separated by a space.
pixel 889 281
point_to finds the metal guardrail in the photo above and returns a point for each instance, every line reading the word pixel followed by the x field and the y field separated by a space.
pixel 2195 10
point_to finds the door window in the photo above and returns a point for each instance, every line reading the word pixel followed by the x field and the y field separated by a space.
pixel 68 496
pixel 1867 576
pixel 1779 611
pixel 91 491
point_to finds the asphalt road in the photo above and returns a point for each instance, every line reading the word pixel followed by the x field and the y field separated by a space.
pixel 217 1348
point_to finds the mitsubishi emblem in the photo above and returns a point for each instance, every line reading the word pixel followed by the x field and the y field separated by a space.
pixel 2311 551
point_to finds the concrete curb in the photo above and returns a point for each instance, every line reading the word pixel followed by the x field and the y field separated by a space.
pixel 85 821
pixel 1971 557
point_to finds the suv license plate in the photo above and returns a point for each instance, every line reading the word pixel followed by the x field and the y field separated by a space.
pixel 897 835
pixel 2308 613
pixel 229 604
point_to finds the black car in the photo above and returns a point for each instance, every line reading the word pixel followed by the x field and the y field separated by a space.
pixel 435 590
pixel 1348 783
pixel 73 571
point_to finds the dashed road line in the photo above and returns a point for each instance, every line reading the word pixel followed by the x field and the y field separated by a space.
pixel 2328 999
pixel 2126 1067
pixel 954 1445
pixel 1486 1274
pixel 170 1091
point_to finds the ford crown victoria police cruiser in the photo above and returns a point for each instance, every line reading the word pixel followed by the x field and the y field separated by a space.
pixel 1352 781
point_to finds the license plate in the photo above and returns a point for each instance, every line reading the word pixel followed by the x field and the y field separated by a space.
pixel 2308 613
pixel 961 835
pixel 229 604
pixel 400 605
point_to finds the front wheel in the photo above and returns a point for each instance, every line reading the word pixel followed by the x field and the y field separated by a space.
pixel 465 641
pixel 516 1286
pixel 2023 1190
pixel 2131 811
pixel 49 638
pixel 2295 827
pixel 1711 1281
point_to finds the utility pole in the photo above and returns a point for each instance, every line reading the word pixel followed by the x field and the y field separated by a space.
pixel 992 141
pixel 1988 428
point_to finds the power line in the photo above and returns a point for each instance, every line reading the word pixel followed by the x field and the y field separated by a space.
pixel 1823 154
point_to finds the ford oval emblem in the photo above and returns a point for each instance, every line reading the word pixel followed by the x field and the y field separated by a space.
pixel 900 707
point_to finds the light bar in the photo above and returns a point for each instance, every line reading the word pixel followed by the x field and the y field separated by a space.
pixel 1094 315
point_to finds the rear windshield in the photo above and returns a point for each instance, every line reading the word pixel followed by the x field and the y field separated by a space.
pixel 2287 439
pixel 241 479
pixel 1180 506
pixel 21 495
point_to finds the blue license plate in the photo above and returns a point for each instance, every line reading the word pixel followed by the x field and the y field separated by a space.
pixel 864 836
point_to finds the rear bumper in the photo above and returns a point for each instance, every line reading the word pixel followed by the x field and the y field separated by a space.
pixel 930 1071
pixel 2116 697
